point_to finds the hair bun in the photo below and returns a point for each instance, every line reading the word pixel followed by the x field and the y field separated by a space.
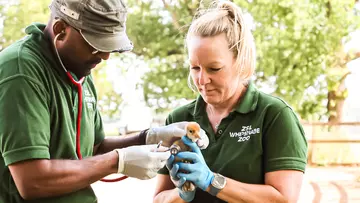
pixel 226 5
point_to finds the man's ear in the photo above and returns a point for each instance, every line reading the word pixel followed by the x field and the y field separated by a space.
pixel 59 27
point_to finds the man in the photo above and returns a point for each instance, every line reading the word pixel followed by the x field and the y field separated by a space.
pixel 49 124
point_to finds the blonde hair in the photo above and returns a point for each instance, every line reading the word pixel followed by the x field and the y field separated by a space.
pixel 226 17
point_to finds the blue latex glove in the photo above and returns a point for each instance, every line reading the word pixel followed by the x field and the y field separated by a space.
pixel 198 172
pixel 178 182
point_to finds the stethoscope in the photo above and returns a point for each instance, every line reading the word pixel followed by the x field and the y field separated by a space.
pixel 78 84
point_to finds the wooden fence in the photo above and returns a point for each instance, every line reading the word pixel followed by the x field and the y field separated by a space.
pixel 333 143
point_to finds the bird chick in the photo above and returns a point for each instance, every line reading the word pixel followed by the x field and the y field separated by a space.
pixel 193 133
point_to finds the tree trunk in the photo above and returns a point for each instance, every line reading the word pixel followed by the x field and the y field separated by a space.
pixel 335 107
pixel 336 100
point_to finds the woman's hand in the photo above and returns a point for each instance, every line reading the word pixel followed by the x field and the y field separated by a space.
pixel 197 171
pixel 178 182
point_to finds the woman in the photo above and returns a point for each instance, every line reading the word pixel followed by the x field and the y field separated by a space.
pixel 257 150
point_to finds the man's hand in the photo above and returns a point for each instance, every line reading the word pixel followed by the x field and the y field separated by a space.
pixel 142 161
pixel 170 133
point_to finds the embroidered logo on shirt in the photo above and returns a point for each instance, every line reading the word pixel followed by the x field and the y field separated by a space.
pixel 89 99
pixel 245 133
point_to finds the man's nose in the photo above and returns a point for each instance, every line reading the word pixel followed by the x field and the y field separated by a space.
pixel 104 55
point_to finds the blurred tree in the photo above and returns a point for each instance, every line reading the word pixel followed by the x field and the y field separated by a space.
pixel 337 91
pixel 157 29
pixel 18 14
pixel 109 101
pixel 299 44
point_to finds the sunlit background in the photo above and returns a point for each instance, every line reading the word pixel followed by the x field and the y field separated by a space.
pixel 308 54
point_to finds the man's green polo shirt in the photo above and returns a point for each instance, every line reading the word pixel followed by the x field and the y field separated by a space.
pixel 39 108
pixel 261 135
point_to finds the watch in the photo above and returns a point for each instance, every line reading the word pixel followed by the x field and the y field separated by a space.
pixel 217 184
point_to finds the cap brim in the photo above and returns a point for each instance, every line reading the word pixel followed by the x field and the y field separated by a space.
pixel 108 43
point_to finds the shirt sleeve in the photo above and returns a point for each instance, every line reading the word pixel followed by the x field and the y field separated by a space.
pixel 99 129
pixel 24 120
pixel 284 142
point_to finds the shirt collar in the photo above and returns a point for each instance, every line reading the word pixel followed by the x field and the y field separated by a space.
pixel 247 103
pixel 35 28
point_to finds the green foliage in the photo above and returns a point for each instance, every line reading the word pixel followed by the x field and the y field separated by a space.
pixel 18 15
pixel 170 88
pixel 158 29
pixel 298 43
pixel 153 35
pixel 158 32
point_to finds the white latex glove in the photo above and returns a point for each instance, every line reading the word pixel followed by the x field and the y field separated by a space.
pixel 141 162
pixel 170 133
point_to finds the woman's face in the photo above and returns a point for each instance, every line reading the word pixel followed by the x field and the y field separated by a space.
pixel 212 68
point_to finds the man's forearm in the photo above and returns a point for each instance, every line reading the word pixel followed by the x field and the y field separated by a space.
pixel 111 143
pixel 46 178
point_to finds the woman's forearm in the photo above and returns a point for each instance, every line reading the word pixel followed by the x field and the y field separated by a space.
pixel 237 192
pixel 168 196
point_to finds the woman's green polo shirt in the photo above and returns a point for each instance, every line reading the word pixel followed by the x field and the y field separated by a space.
pixel 261 135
